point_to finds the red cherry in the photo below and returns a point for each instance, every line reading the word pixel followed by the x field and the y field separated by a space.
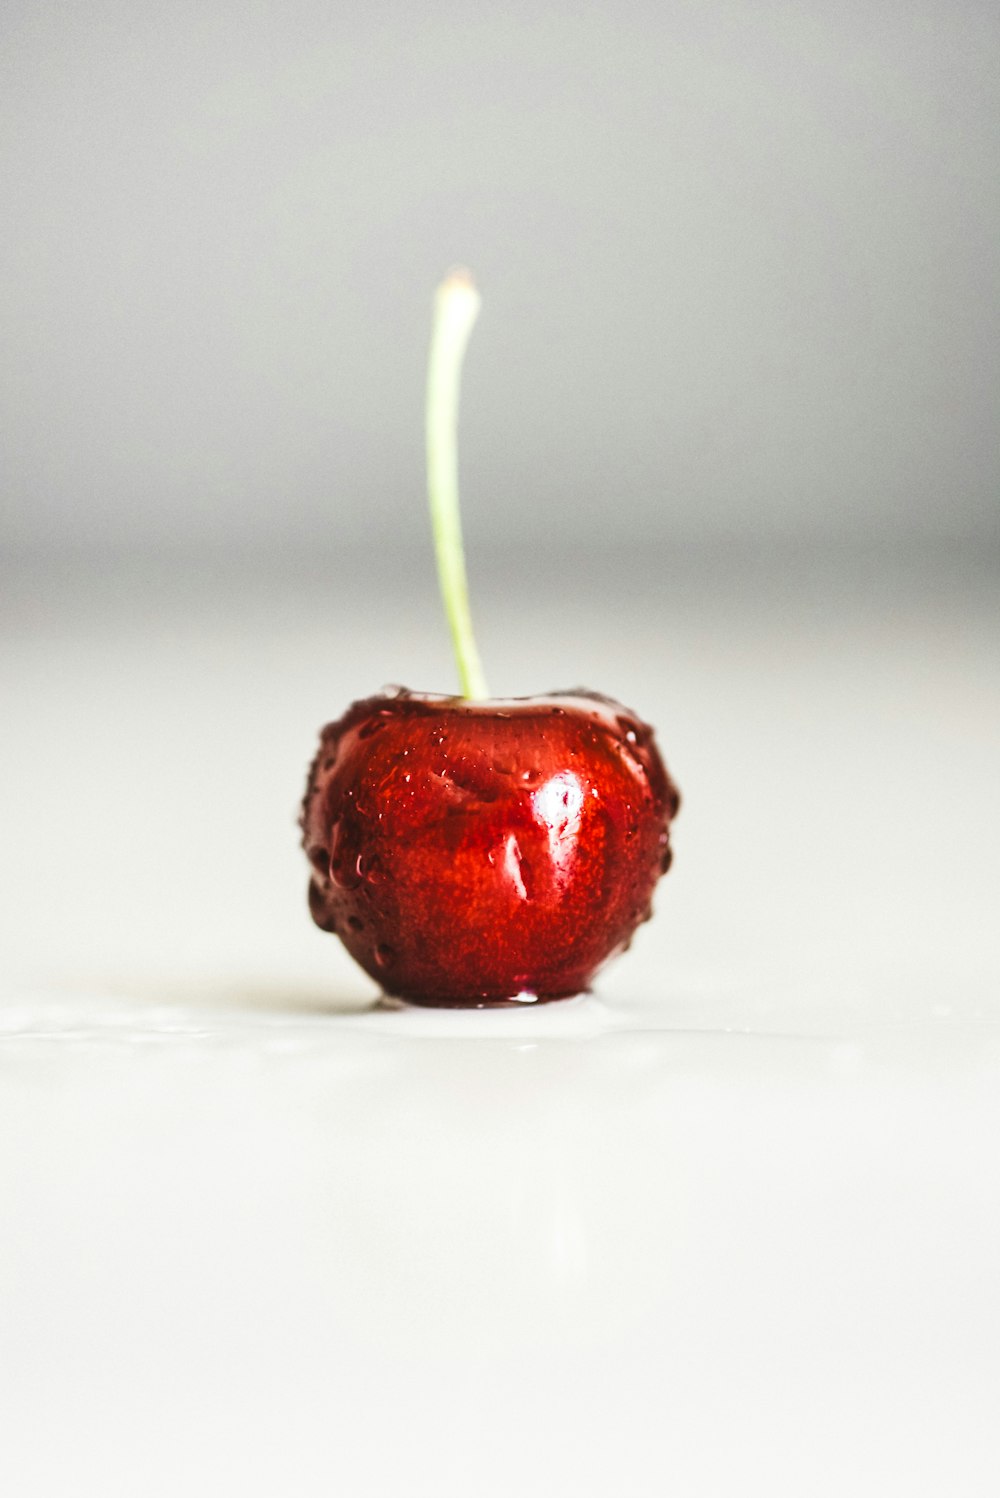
pixel 470 852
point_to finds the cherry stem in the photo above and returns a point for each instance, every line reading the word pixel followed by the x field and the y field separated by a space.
pixel 456 307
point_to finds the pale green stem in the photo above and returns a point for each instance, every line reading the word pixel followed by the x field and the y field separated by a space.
pixel 456 307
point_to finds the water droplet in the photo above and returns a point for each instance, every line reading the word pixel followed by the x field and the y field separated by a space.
pixel 384 955
pixel 633 732
pixel 531 777
pixel 319 908
pixel 343 858
pixel 517 869
pixel 374 725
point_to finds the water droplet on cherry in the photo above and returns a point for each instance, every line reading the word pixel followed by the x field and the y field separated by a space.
pixel 343 858
pixel 319 910
pixel 373 726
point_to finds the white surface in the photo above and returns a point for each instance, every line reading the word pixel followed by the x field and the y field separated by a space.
pixel 730 1225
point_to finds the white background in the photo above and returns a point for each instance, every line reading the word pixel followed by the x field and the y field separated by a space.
pixel 730 1224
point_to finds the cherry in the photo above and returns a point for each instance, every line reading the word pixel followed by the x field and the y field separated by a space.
pixel 476 852
pixel 470 850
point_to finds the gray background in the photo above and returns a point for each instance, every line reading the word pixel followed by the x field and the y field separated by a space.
pixel 739 267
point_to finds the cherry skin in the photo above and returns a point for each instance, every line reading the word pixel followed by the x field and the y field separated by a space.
pixel 473 853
